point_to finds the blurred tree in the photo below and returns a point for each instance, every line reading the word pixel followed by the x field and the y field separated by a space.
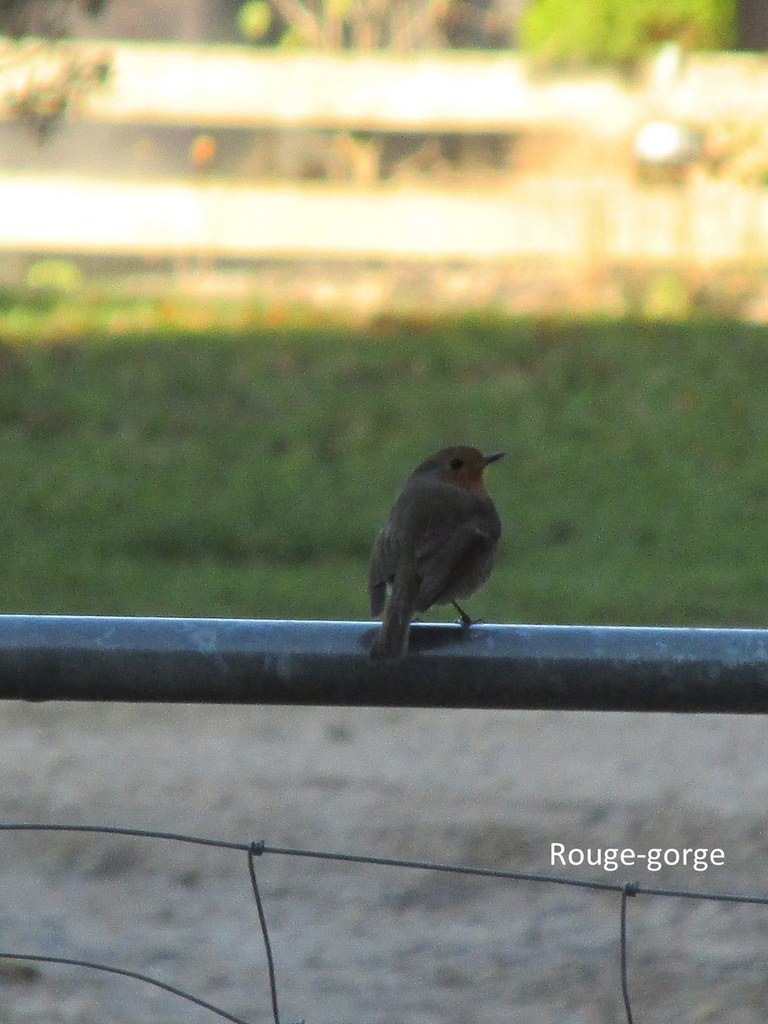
pixel 621 31
pixel 339 24
pixel 400 25
pixel 53 73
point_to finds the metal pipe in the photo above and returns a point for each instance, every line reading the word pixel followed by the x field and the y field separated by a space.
pixel 241 661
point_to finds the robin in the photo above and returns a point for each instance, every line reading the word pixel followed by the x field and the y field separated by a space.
pixel 437 544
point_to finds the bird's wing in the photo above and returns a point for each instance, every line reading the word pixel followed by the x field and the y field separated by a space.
pixel 383 568
pixel 442 558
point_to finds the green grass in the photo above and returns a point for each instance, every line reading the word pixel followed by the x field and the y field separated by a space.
pixel 245 472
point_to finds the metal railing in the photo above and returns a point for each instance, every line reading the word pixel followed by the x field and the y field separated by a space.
pixel 616 668
pixel 243 661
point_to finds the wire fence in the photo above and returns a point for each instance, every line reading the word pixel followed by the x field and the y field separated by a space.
pixel 260 848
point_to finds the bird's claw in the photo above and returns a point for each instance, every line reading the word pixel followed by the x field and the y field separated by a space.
pixel 465 620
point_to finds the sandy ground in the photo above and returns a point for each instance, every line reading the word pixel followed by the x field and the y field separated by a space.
pixel 374 944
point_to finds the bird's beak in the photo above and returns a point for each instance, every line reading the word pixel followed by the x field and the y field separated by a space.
pixel 487 459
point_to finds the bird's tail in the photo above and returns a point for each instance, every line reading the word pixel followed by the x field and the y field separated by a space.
pixel 391 642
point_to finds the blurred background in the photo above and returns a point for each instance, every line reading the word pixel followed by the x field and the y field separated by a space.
pixel 257 260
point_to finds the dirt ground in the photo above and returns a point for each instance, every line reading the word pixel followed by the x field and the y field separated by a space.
pixel 373 944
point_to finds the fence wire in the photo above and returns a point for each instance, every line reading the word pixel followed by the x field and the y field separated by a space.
pixel 259 848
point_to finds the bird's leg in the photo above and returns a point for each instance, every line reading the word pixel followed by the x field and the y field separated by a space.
pixel 466 620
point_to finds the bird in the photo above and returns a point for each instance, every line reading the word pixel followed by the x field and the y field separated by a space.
pixel 437 544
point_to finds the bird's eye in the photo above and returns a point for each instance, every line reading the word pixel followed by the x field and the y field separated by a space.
pixel 456 463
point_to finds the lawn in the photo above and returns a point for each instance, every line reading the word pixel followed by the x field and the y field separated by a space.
pixel 242 469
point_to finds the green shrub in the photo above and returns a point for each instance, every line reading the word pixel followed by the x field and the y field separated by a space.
pixel 621 31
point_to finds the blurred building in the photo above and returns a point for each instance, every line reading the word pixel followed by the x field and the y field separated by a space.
pixel 184 21
pixel 753 25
